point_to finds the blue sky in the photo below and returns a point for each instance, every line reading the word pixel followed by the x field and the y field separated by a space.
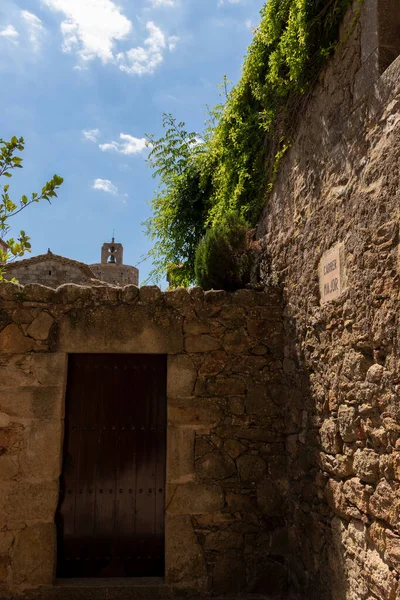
pixel 83 81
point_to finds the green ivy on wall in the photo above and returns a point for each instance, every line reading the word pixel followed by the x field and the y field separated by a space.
pixel 232 166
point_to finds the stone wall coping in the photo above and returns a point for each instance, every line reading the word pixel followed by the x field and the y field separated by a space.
pixel 71 293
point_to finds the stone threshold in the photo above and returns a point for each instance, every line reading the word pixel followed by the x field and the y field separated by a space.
pixel 111 582
pixel 135 588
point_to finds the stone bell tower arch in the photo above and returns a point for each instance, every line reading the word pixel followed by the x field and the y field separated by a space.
pixel 112 269
pixel 112 253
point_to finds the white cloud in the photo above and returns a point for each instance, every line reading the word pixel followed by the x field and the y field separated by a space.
pixel 91 27
pixel 145 60
pixel 9 32
pixel 91 134
pixel 35 28
pixel 172 41
pixel 128 145
pixel 220 2
pixel 105 185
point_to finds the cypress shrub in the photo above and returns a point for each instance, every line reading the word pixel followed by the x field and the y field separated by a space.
pixel 223 257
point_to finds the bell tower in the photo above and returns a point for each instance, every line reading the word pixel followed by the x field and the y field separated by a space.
pixel 112 253
pixel 112 269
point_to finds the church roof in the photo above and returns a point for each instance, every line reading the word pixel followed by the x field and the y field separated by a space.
pixel 61 259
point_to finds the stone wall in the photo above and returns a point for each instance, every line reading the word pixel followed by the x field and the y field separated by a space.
pixel 116 274
pixel 340 183
pixel 226 482
pixel 49 271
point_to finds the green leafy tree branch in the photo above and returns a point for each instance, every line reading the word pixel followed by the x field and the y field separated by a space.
pixel 9 161
pixel 179 209
pixel 234 169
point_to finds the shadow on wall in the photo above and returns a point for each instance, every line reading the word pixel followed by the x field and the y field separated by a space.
pixel 316 569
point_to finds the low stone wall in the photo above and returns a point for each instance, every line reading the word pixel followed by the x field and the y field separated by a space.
pixel 226 479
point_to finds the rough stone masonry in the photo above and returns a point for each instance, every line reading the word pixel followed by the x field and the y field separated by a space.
pixel 340 184
pixel 226 482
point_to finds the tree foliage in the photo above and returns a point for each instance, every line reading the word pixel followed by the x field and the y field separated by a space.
pixel 179 205
pixel 234 169
pixel 9 161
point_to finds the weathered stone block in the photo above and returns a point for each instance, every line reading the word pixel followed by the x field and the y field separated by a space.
pixel 182 375
pixel 41 457
pixel 355 366
pixel 226 386
pixel 4 568
pixel 6 541
pixel 15 371
pixel 223 540
pixel 214 363
pixel 377 534
pixel 180 455
pixel 380 580
pixel 33 402
pixel 269 498
pixel 9 290
pixel 26 503
pixel 201 343
pixel 129 293
pixel 259 402
pixel 234 448
pixel 11 439
pixel 13 341
pixel 242 503
pixel 347 423
pixel 330 439
pixel 179 299
pixel 40 327
pixel 150 293
pixel 250 467
pixel 36 292
pixel 185 564
pixel 254 434
pixel 201 414
pixel 196 327
pixel 375 373
pixel 110 329
pixel 356 494
pixel 366 465
pixel 9 466
pixel 337 464
pixel 237 342
pixel 50 369
pixel 215 466
pixel 393 548
pixel 34 555
pixel 194 499
pixel 5 319
pixel 382 501
pixel 229 576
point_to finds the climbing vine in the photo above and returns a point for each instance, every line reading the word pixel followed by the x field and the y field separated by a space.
pixel 234 163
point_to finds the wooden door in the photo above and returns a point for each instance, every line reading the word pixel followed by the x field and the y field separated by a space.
pixel 110 519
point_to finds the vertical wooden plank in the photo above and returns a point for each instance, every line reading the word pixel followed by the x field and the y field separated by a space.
pixel 161 438
pixel 65 518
